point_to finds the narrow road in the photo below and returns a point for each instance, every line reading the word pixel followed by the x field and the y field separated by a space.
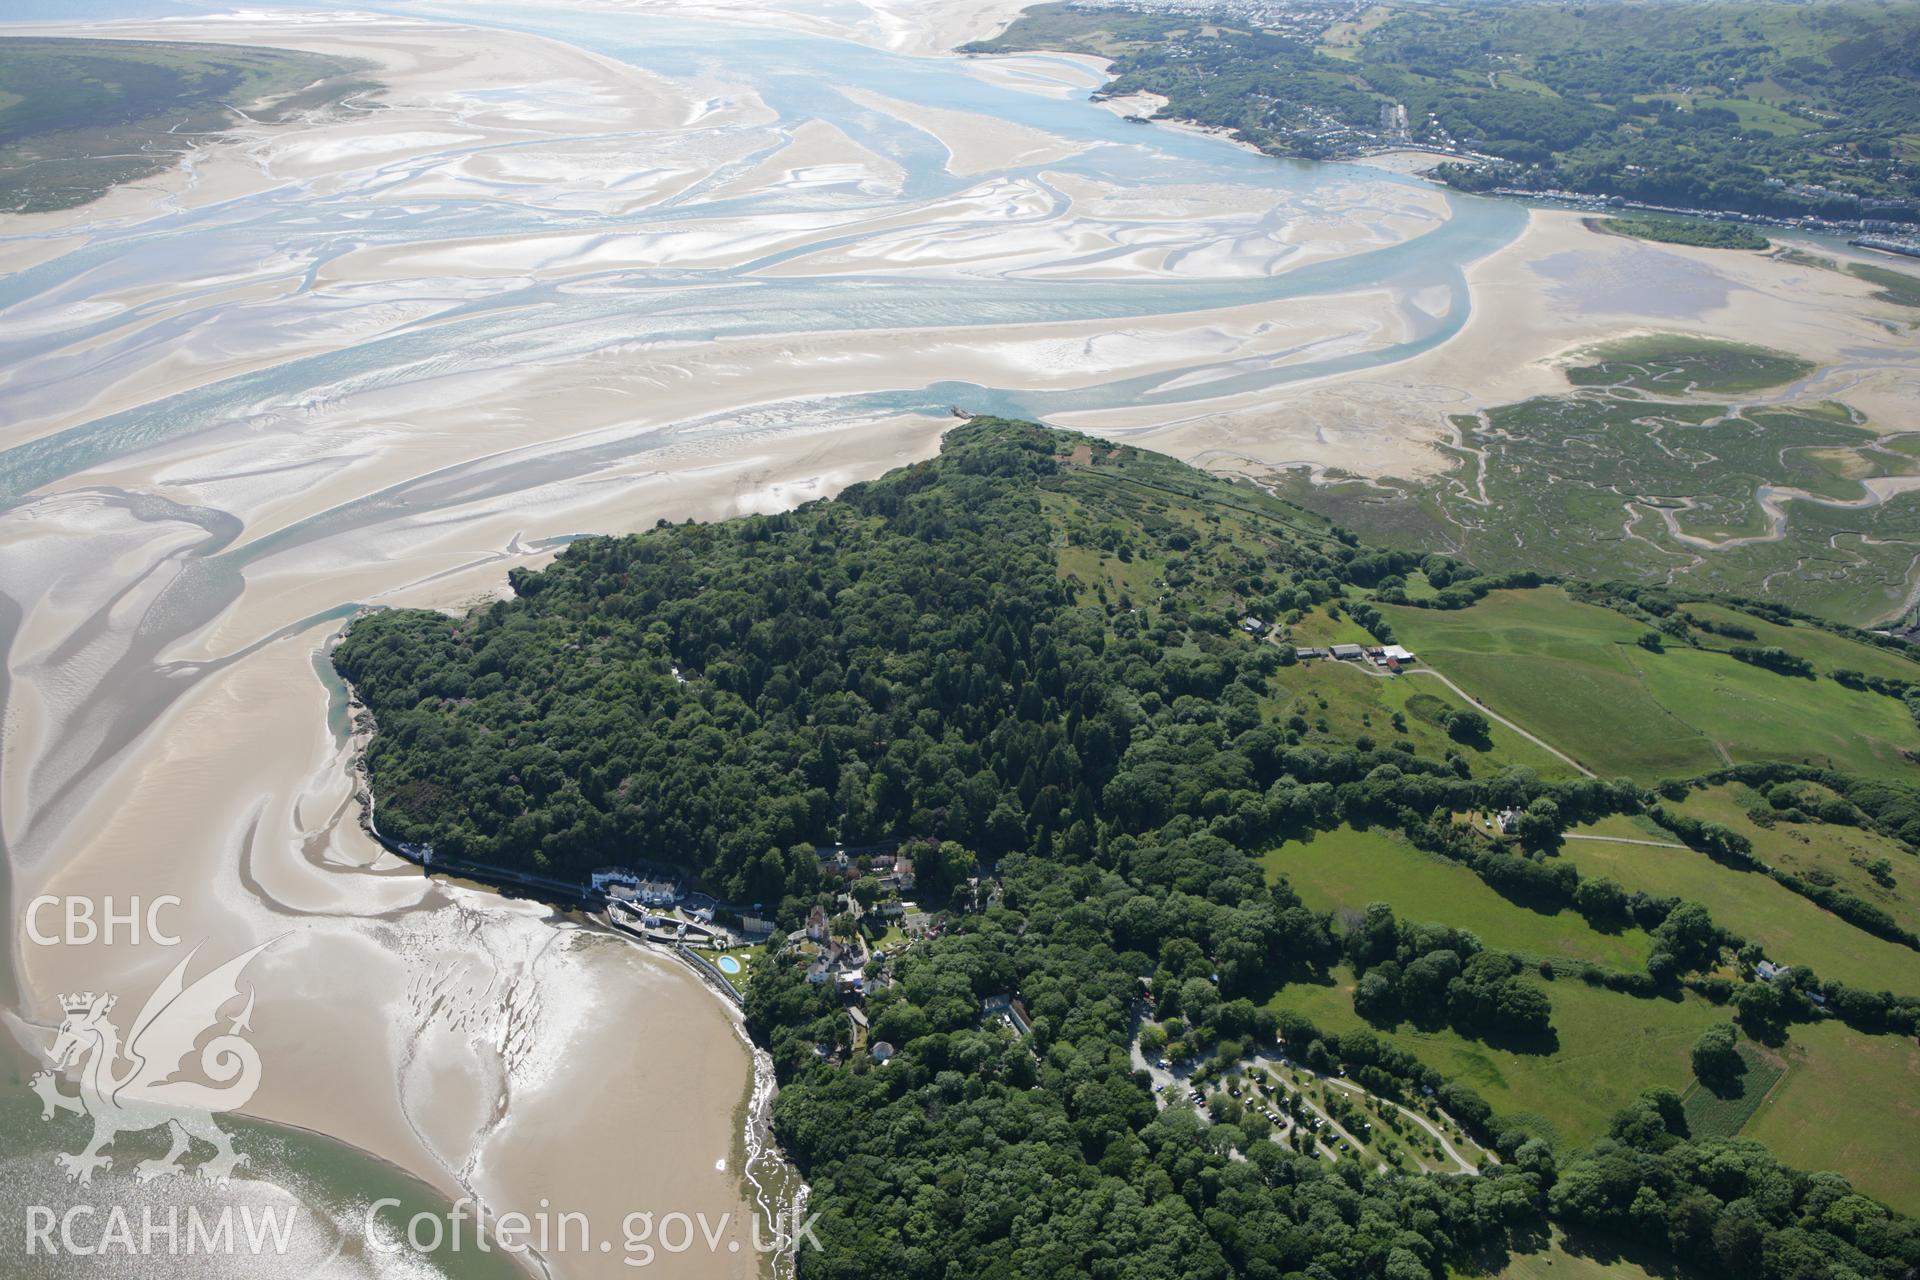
pixel 1491 714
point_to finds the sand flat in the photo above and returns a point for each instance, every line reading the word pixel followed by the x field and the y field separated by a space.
pixel 1556 291
pixel 915 27
pixel 975 143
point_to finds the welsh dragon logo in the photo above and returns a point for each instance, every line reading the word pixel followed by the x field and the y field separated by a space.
pixel 144 1093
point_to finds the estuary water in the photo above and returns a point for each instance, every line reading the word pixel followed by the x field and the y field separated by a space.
pixel 523 322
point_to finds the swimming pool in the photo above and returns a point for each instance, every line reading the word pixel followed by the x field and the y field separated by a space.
pixel 728 965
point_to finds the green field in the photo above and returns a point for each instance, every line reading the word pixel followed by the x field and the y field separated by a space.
pixel 1827 651
pixel 1559 668
pixel 1825 853
pixel 1792 929
pixel 1850 1103
pixel 1359 703
pixel 1317 629
pixel 1612 1047
pixel 1571 673
pixel 78 117
pixel 1583 1259
pixel 1750 714
pixel 1346 869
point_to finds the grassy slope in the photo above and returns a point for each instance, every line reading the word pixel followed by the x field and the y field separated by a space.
pixel 1792 929
pixel 1755 715
pixel 1319 630
pixel 1850 1103
pixel 1572 673
pixel 1357 703
pixel 1827 651
pixel 1611 1048
pixel 1559 668
pixel 1565 1259
pixel 1347 869
pixel 1812 848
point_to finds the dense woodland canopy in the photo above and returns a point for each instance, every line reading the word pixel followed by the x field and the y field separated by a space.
pixel 904 660
pixel 945 654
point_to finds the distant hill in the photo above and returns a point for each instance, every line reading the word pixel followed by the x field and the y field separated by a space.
pixel 1764 108
pixel 78 117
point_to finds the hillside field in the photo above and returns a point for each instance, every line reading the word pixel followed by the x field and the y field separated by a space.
pixel 1353 701
pixel 1849 1103
pixel 1792 929
pixel 1344 870
pixel 1574 674
pixel 1611 1047
pixel 1825 853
